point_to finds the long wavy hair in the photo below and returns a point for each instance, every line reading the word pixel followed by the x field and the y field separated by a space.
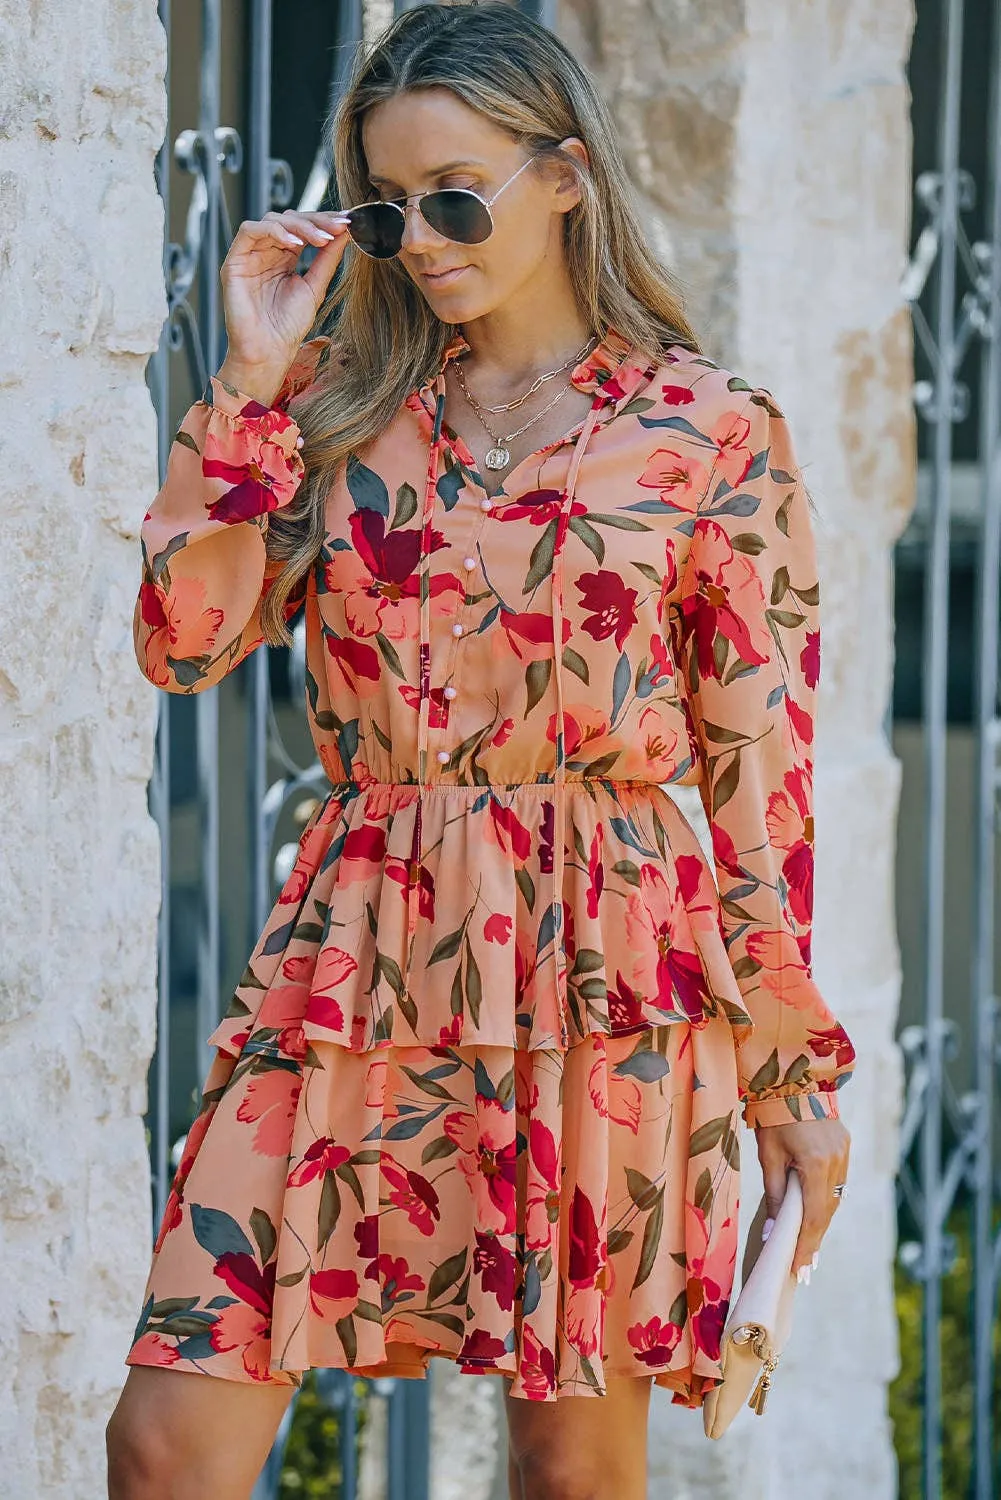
pixel 385 339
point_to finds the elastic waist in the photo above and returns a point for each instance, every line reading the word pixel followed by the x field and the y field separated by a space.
pixel 442 788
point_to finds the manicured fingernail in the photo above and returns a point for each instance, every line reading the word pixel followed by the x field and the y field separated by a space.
pixel 803 1275
pixel 767 1228
pixel 816 1258
pixel 321 234
pixel 293 239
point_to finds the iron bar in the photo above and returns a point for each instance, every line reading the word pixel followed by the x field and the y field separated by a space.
pixel 984 1000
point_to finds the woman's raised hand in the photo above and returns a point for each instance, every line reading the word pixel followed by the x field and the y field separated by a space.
pixel 269 306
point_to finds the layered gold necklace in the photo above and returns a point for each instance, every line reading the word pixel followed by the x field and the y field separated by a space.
pixel 499 456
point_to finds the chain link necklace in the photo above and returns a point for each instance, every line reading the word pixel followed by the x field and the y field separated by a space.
pixel 499 456
pixel 536 385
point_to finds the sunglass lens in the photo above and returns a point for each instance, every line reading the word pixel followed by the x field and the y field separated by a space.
pixel 458 215
pixel 377 228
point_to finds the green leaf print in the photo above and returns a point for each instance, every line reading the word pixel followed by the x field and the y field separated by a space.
pixel 646 1066
pixel 541 561
pixel 406 506
pixel 532 1295
pixel 704 1192
pixel 592 541
pixel 438 1149
pixel 367 490
pixel 619 1240
pixel 447 1274
pixel 330 1209
pixel 651 1241
pixel 349 1176
pixel 726 783
pixel 186 441
pixel 620 684
pixel 263 1231
pixel 447 947
pixel 474 987
pixel 627 871
pixel 708 1135
pixel 642 1191
pixel 346 1333
pixel 537 675
pixel 575 663
pixel 218 1233
pixel 389 654
pixel 427 1085
pixel 767 1075
pixel 748 542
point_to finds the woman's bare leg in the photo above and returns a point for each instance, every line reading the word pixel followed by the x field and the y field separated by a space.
pixel 580 1447
pixel 180 1436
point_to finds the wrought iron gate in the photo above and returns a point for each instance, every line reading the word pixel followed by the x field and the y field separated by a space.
pixel 226 759
pixel 949 1145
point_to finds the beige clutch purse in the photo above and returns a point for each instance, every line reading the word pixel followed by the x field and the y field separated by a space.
pixel 761 1318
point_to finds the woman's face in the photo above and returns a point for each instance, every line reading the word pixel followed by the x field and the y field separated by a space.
pixel 431 139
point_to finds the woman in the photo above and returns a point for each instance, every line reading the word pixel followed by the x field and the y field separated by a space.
pixel 477 1092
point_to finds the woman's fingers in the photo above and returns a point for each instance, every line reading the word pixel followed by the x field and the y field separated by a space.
pixel 310 229
pixel 818 1151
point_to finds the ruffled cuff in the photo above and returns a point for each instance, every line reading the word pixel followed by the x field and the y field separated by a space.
pixel 811 1105
pixel 249 455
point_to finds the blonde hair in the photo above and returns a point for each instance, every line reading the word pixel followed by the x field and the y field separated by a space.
pixel 385 340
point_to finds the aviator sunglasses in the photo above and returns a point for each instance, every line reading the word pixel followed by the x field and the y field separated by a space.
pixel 456 214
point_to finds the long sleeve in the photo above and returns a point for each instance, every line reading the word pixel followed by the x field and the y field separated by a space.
pixel 750 647
pixel 205 567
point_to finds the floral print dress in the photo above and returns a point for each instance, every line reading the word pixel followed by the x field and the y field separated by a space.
pixel 477 1092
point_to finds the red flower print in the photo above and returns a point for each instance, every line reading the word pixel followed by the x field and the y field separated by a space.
pixel 585 727
pixel 654 1341
pixel 507 831
pixel 333 967
pixel 481 1348
pixel 261 475
pixel 322 1156
pixel 799 726
pixel 625 1012
pixel 494 1264
pixel 503 733
pixel 681 479
pixel 497 928
pixel 723 597
pixel 809 659
pixel 173 1213
pixel 585 1257
pixel 659 933
pixel 414 1194
pixel 734 458
pixel 612 606
pixel 724 851
pixel 488 1156
pixel 833 1042
pixel 295 887
pixel 282 1010
pixel 181 628
pixel 241 1327
pixel 397 1277
pixel 245 1279
pixel 404 872
pixel 528 635
pixel 366 1232
pixel 333 1294
pixel 438 704
pixel 595 873
pixel 790 827
pixel 153 1349
pixel 677 395
pixel 661 663
pixel 270 1101
pixel 363 852
pixel 538 507
pixel 450 1035
pixel 710 1270
pixel 358 664
pixel 542 1208
pixel 538 1366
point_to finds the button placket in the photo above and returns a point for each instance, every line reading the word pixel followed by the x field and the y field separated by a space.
pixel 457 631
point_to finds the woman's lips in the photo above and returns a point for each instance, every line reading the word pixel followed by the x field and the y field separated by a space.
pixel 443 278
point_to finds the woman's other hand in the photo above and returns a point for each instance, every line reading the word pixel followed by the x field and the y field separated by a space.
pixel 818 1150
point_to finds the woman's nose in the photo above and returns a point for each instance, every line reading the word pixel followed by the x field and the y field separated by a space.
pixel 417 232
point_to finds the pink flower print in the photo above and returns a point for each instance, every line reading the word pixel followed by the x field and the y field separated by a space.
pixel 414 1194
pixel 681 479
pixel 654 1341
pixel 322 1156
pixel 375 1083
pixel 723 596
pixel 260 474
pixel 790 827
pixel 709 1272
pixel 497 928
pixel 270 1101
pixel 181 628
pixel 799 726
pixel 657 929
pixel 487 1161
pixel 358 663
pixel 834 1042
pixel 661 664
pixel 623 1103
pixel 506 830
pixel 333 1294
pixel 584 1320
pixel 733 458
pixel 611 606
pixel 585 727
pixel 784 972
pixel 658 745
pixel 495 1266
pixel 295 887
pixel 282 1010
pixel 153 1349
pixel 245 1328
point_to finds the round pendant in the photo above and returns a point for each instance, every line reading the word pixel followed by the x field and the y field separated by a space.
pixel 497 458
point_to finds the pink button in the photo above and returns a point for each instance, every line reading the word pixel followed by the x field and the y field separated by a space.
pixel 443 756
pixel 300 442
pixel 456 629
pixel 486 505
pixel 450 692
pixel 469 563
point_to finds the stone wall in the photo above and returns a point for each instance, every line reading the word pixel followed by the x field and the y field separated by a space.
pixel 769 144
pixel 81 117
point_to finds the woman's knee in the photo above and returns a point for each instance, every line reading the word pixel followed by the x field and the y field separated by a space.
pixel 139 1455
pixel 556 1474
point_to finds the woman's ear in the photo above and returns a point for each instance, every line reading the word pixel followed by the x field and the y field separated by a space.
pixel 567 181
